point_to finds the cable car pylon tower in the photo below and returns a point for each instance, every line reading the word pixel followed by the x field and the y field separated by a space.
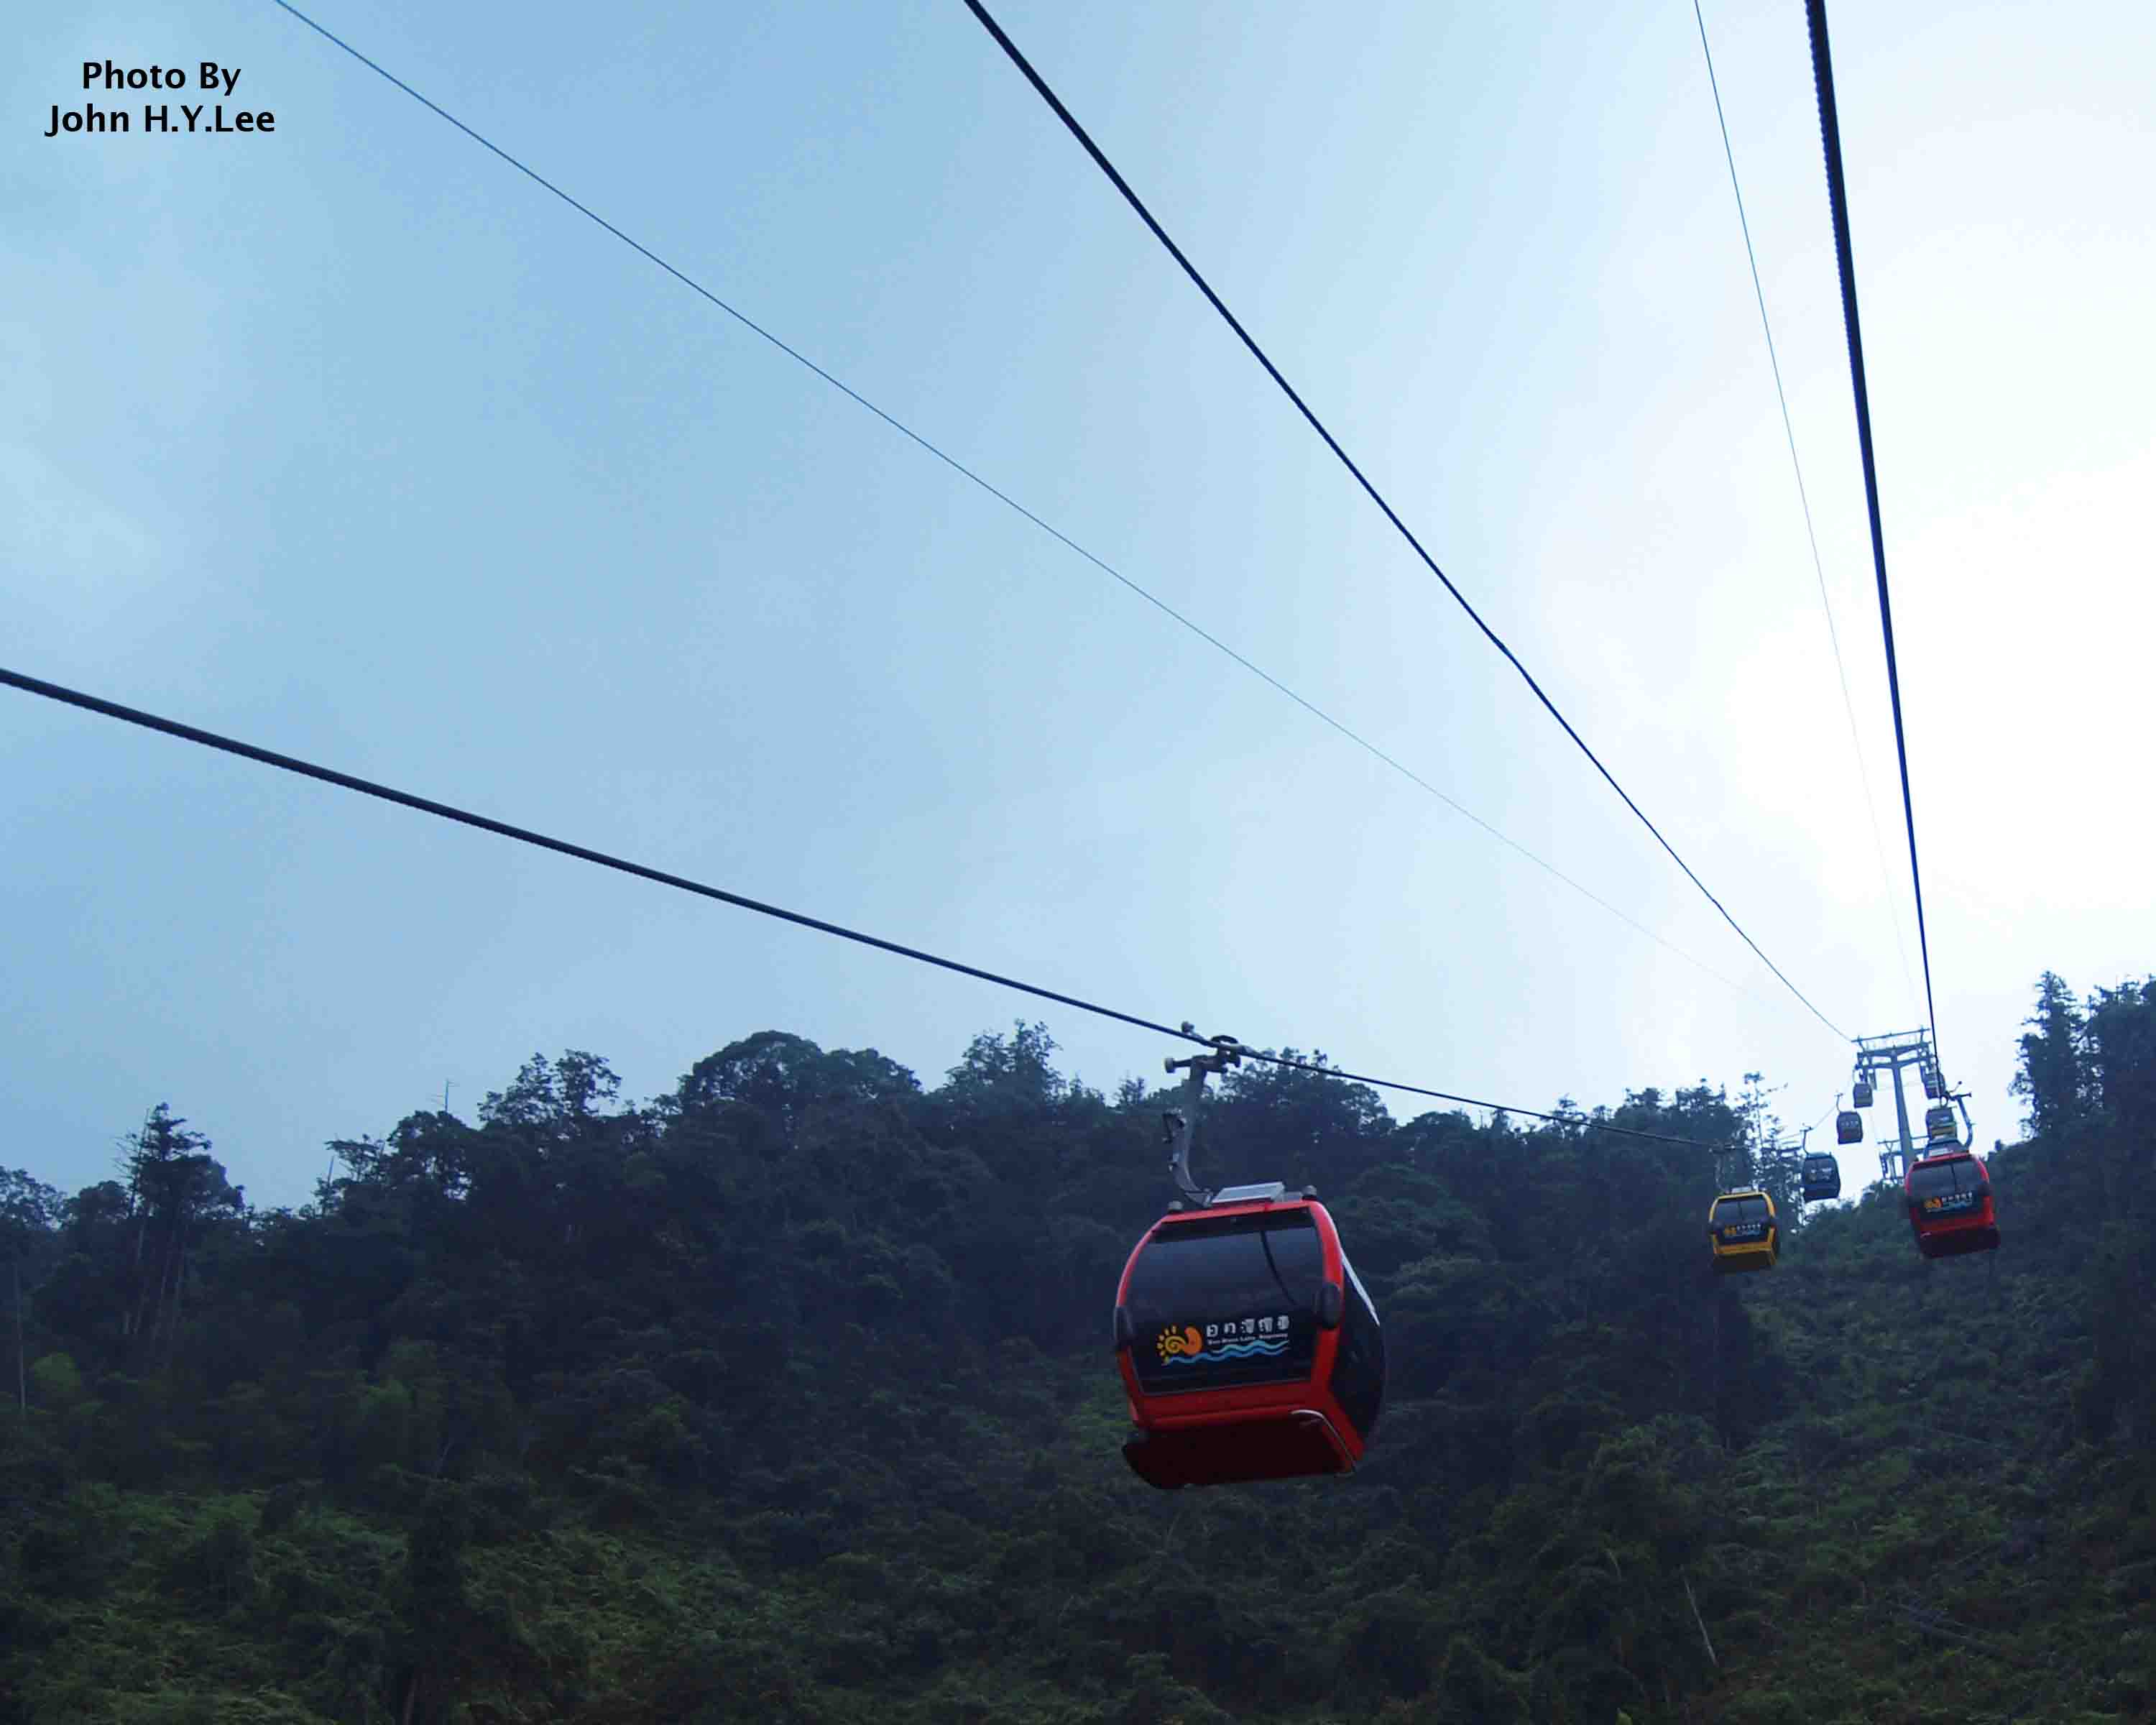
pixel 1903 1051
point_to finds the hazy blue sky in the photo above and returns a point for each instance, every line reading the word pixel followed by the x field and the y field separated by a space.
pixel 349 440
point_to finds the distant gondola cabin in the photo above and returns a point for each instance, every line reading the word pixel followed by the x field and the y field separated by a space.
pixel 1861 1095
pixel 1248 1347
pixel 1743 1232
pixel 1822 1178
pixel 1935 1086
pixel 1939 1126
pixel 1849 1127
pixel 1951 1210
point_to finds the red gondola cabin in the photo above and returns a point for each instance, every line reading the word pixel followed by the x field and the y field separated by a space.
pixel 1247 1345
pixel 1950 1207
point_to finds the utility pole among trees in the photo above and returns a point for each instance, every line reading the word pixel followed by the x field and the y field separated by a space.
pixel 1773 1163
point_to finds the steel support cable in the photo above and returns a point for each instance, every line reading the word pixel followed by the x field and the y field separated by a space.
pixel 1804 499
pixel 1845 260
pixel 523 835
pixel 1004 497
pixel 1190 269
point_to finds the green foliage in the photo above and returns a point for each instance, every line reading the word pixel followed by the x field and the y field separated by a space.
pixel 57 1384
pixel 785 1397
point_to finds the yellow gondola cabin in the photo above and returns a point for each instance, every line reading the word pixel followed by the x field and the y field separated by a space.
pixel 1744 1233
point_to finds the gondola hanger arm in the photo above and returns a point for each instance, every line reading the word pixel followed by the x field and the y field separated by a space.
pixel 1180 1126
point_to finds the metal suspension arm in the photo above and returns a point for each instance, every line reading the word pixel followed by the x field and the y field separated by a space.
pixel 1182 1127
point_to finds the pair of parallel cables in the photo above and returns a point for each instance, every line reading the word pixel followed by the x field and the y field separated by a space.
pixel 288 764
pixel 562 847
pixel 1830 133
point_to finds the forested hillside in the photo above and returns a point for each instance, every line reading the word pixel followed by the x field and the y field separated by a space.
pixel 787 1396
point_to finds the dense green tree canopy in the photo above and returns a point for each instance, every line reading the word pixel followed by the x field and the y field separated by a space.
pixel 787 1396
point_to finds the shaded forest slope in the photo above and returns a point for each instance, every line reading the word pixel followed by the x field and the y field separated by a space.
pixel 785 1396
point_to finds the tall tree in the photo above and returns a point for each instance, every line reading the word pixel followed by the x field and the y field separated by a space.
pixel 29 1222
pixel 2120 1040
pixel 2054 1075
pixel 171 1179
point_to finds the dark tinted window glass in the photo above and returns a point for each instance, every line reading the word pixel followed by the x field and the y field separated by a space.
pixel 1940 1185
pixel 1740 1221
pixel 1358 1368
pixel 1228 1300
pixel 1931 1181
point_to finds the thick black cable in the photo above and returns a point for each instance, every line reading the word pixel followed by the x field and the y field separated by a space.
pixel 1190 269
pixel 524 835
pixel 1804 502
pixel 1845 260
pixel 1002 497
pixel 345 781
pixel 1585 1122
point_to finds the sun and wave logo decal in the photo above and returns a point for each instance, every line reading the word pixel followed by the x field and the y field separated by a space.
pixel 1181 1345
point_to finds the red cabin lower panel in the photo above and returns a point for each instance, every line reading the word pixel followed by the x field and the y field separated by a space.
pixel 1290 1444
pixel 1954 1242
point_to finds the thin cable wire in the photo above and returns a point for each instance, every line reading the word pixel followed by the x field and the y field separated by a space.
pixel 1004 498
pixel 1190 269
pixel 1845 261
pixel 1804 499
pixel 523 835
